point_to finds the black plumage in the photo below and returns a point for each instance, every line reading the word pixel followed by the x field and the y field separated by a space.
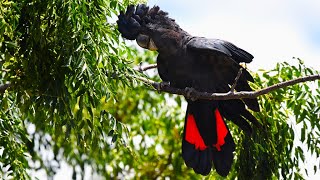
pixel 208 65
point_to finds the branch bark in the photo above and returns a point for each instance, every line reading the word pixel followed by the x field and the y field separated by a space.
pixel 236 80
pixel 147 67
pixel 227 95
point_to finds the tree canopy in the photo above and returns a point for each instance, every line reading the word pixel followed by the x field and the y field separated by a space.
pixel 69 92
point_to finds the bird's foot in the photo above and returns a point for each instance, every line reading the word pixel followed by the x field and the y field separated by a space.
pixel 191 94
pixel 162 85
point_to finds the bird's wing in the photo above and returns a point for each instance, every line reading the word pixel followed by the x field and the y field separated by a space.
pixel 221 46
pixel 223 58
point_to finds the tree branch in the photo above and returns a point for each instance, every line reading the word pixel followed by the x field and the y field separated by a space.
pixel 230 94
pixel 236 80
pixel 144 68
pixel 4 87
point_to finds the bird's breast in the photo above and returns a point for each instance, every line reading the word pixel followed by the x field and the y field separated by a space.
pixel 180 71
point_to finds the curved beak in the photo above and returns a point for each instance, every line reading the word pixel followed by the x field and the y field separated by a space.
pixel 146 42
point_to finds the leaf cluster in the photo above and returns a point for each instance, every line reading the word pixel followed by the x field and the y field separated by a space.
pixel 291 130
pixel 63 60
pixel 73 97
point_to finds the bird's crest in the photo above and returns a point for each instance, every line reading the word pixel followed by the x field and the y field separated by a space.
pixel 136 19
pixel 151 28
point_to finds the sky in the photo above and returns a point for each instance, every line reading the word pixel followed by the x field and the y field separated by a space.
pixel 273 31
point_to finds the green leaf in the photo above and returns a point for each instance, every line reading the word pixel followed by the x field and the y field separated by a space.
pixel 114 138
pixel 303 133
pixel 111 132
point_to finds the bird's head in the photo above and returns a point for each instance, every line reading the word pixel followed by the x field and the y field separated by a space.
pixel 151 28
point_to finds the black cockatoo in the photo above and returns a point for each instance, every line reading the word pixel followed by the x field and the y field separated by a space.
pixel 207 65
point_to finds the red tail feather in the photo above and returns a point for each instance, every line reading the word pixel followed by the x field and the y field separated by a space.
pixel 222 130
pixel 193 135
pixel 207 140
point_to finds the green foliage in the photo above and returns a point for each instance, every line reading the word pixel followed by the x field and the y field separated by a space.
pixel 155 123
pixel 72 95
pixel 277 151
pixel 290 116
pixel 63 60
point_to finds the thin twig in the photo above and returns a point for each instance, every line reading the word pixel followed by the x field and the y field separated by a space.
pixel 147 67
pixel 228 95
pixel 236 80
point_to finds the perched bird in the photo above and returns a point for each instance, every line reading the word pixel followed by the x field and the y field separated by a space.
pixel 207 65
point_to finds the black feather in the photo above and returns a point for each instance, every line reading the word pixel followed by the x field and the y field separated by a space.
pixel 222 160
pixel 208 65
pixel 217 45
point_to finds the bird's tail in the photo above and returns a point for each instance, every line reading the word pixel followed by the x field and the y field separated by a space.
pixel 207 141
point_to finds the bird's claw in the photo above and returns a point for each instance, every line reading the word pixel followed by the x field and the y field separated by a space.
pixel 190 93
pixel 162 85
